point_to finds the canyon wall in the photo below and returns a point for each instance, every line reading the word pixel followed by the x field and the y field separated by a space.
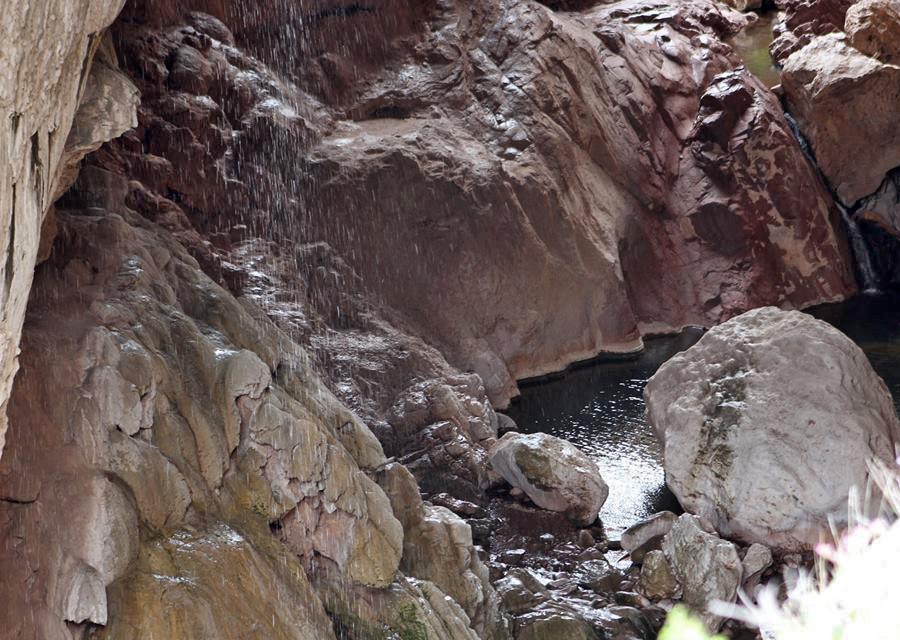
pixel 46 75
pixel 307 258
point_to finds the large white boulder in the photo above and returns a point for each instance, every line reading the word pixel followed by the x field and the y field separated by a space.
pixel 553 473
pixel 767 423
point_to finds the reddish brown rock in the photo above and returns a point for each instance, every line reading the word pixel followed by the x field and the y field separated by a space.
pixel 803 20
pixel 569 183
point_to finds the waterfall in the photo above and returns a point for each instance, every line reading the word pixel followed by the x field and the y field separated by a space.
pixel 862 254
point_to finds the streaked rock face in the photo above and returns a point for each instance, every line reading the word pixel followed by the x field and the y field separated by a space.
pixel 768 423
pixel 569 182
pixel 46 72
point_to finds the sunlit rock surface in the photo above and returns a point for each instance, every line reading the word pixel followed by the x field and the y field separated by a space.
pixel 45 70
pixel 553 473
pixel 768 423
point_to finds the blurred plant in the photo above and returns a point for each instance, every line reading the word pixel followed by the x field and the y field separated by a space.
pixel 682 625
pixel 853 591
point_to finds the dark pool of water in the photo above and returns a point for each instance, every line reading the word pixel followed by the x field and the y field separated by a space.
pixel 752 45
pixel 600 406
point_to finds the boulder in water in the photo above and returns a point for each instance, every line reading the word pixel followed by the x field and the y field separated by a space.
pixel 767 423
pixel 553 473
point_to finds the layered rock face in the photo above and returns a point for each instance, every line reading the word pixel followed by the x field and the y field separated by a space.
pixel 46 73
pixel 178 410
pixel 803 21
pixel 768 423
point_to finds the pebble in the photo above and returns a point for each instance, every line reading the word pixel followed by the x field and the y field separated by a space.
pixel 513 556
pixel 585 539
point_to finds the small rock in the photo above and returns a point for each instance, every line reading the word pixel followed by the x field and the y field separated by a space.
pixel 547 539
pixel 513 556
pixel 553 473
pixel 638 534
pixel 631 599
pixel 585 539
pixel 557 626
pixel 459 507
pixel 601 577
pixel 520 591
pixel 591 554
pixel 563 585
pixel 657 581
pixel 653 544
pixel 516 492
pixel 757 559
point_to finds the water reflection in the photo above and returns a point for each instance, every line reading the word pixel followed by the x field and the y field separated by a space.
pixel 752 45
pixel 600 408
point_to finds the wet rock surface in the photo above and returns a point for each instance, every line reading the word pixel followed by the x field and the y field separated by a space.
pixel 750 442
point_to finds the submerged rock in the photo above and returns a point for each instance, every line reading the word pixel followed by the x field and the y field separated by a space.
pixel 768 423
pixel 553 473
pixel 707 567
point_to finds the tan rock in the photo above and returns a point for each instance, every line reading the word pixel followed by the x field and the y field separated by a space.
pixel 214 584
pixel 657 581
pixel 842 100
pixel 45 70
pixel 707 567
pixel 873 27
